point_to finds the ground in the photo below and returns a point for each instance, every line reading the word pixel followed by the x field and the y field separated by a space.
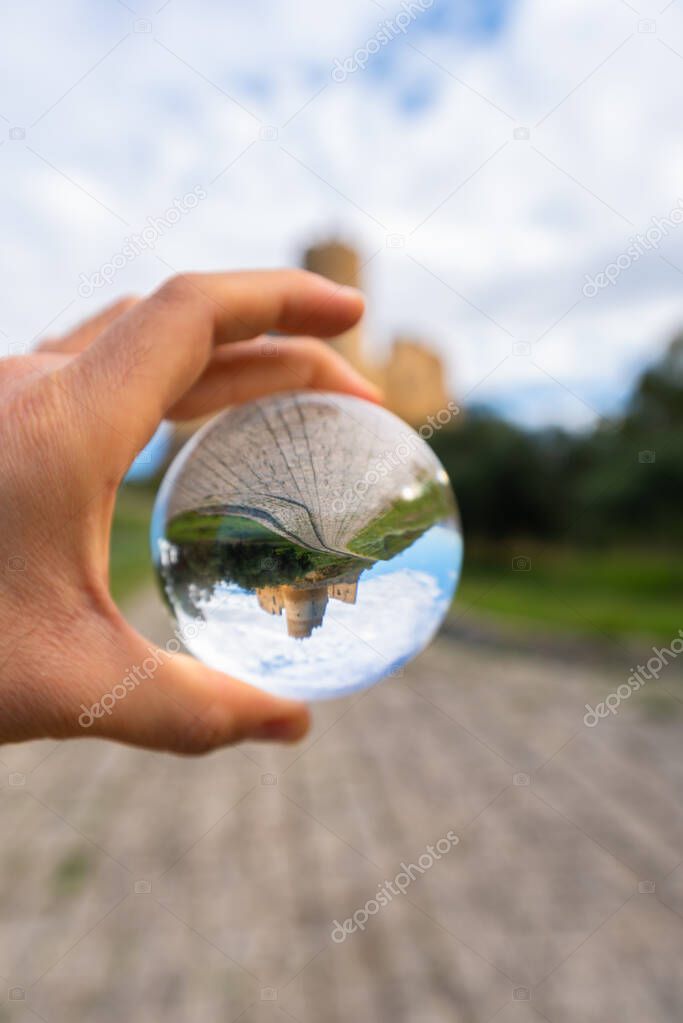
pixel 144 887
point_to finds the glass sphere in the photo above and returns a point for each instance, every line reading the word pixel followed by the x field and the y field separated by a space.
pixel 307 543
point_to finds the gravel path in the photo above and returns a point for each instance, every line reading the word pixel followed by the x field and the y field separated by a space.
pixel 141 887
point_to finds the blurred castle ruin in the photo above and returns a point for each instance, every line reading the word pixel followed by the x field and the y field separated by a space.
pixel 412 378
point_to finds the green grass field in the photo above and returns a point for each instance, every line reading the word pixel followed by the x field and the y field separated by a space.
pixel 615 594
pixel 131 563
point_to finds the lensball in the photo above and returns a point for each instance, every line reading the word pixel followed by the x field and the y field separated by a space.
pixel 308 543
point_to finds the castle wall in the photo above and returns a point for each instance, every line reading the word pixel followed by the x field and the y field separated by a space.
pixel 414 381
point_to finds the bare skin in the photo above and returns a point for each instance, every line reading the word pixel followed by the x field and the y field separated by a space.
pixel 73 416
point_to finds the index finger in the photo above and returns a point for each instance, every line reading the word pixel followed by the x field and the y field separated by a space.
pixel 80 337
pixel 147 359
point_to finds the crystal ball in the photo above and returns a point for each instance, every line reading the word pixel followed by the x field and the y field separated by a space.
pixel 307 543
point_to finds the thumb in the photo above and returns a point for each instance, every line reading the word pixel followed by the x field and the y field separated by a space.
pixel 170 701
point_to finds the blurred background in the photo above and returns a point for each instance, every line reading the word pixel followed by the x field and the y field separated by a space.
pixel 503 180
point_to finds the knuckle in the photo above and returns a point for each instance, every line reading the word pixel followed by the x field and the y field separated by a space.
pixel 180 289
pixel 124 304
pixel 38 404
pixel 48 343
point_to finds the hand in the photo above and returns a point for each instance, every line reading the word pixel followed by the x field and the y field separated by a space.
pixel 73 416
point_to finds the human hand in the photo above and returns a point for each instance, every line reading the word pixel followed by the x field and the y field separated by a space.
pixel 73 416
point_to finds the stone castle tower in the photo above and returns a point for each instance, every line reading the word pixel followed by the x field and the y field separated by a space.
pixel 304 606
pixel 412 378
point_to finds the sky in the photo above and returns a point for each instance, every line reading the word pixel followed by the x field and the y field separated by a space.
pixel 490 160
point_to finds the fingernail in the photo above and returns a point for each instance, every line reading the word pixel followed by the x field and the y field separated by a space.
pixel 349 292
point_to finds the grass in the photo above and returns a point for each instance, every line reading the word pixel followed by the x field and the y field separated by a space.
pixel 615 594
pixel 131 563
pixel 71 873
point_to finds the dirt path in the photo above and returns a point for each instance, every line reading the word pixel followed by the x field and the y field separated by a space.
pixel 139 887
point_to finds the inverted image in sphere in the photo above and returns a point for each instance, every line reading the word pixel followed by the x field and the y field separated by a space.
pixel 307 543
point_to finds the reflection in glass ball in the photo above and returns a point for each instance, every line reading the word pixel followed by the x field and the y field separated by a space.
pixel 307 543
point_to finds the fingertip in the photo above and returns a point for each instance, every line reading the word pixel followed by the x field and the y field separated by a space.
pixel 352 294
pixel 358 385
pixel 372 393
pixel 355 301
pixel 286 728
pixel 347 301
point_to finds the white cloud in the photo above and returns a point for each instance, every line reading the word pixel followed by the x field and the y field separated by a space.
pixel 505 255
pixel 395 616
